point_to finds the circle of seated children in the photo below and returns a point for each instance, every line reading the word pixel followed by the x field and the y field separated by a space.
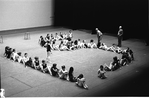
pixel 67 44
pixel 42 65
pixel 127 57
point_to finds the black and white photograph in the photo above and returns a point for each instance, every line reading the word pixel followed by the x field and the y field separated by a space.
pixel 74 48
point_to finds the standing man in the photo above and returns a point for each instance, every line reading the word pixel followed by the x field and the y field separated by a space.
pixel 120 34
pixel 99 36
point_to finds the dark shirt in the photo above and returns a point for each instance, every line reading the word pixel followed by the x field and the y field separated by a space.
pixel 54 71
pixel 76 42
pixel 36 63
pixel 120 33
pixel 44 66
pixel 48 47
pixel 9 53
pixel 71 77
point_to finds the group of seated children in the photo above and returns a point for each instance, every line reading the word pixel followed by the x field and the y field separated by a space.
pixel 113 48
pixel 62 73
pixel 52 39
pixel 67 44
pixel 127 57
pixel 68 75
pixel 12 54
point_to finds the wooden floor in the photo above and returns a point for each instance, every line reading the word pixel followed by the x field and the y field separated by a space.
pixel 19 81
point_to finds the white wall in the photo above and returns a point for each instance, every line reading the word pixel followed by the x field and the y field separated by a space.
pixel 18 14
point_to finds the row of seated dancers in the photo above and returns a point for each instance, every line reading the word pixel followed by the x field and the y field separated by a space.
pixel 12 54
pixel 127 58
pixel 67 44
pixel 42 65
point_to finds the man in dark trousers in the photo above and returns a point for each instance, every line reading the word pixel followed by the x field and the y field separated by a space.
pixel 120 35
pixel 99 36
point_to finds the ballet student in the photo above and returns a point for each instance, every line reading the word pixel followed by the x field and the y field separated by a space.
pixel 29 62
pixel 70 36
pixel 41 41
pixel 101 72
pixel 44 67
pixel 9 53
pixel 54 70
pixel 6 51
pixel 92 44
pixel 14 54
pixel 81 81
pixel 47 38
pixel 114 65
pixel 36 63
pixel 130 53
pixel 71 76
pixel 25 59
pixel 49 48
pixel 19 58
pixel 63 73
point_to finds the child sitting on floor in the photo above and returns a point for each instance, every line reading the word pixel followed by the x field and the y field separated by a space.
pixel 54 70
pixel 19 58
pixel 115 64
pixel 103 46
pixel 9 53
pixel 25 59
pixel 29 62
pixel 71 76
pixel 81 81
pixel 36 63
pixel 44 67
pixel 63 47
pixel 6 51
pixel 41 41
pixel 92 44
pixel 14 54
pixel 63 73
pixel 101 72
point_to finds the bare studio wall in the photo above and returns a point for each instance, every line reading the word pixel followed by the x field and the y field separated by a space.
pixel 18 14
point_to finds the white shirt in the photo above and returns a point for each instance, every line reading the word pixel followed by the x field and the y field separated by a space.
pixel 25 59
pixel 120 32
pixel 81 81
pixel 99 33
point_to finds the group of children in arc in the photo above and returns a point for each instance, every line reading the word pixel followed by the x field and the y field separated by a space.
pixel 43 66
pixel 127 58
pixel 68 44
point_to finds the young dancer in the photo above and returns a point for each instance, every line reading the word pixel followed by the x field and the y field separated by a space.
pixel 63 73
pixel 54 70
pixel 44 67
pixel 36 63
pixel 101 72
pixel 49 48
pixel 71 76
pixel 81 81
pixel 25 59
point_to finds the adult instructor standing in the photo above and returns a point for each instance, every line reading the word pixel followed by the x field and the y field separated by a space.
pixel 99 36
pixel 120 36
